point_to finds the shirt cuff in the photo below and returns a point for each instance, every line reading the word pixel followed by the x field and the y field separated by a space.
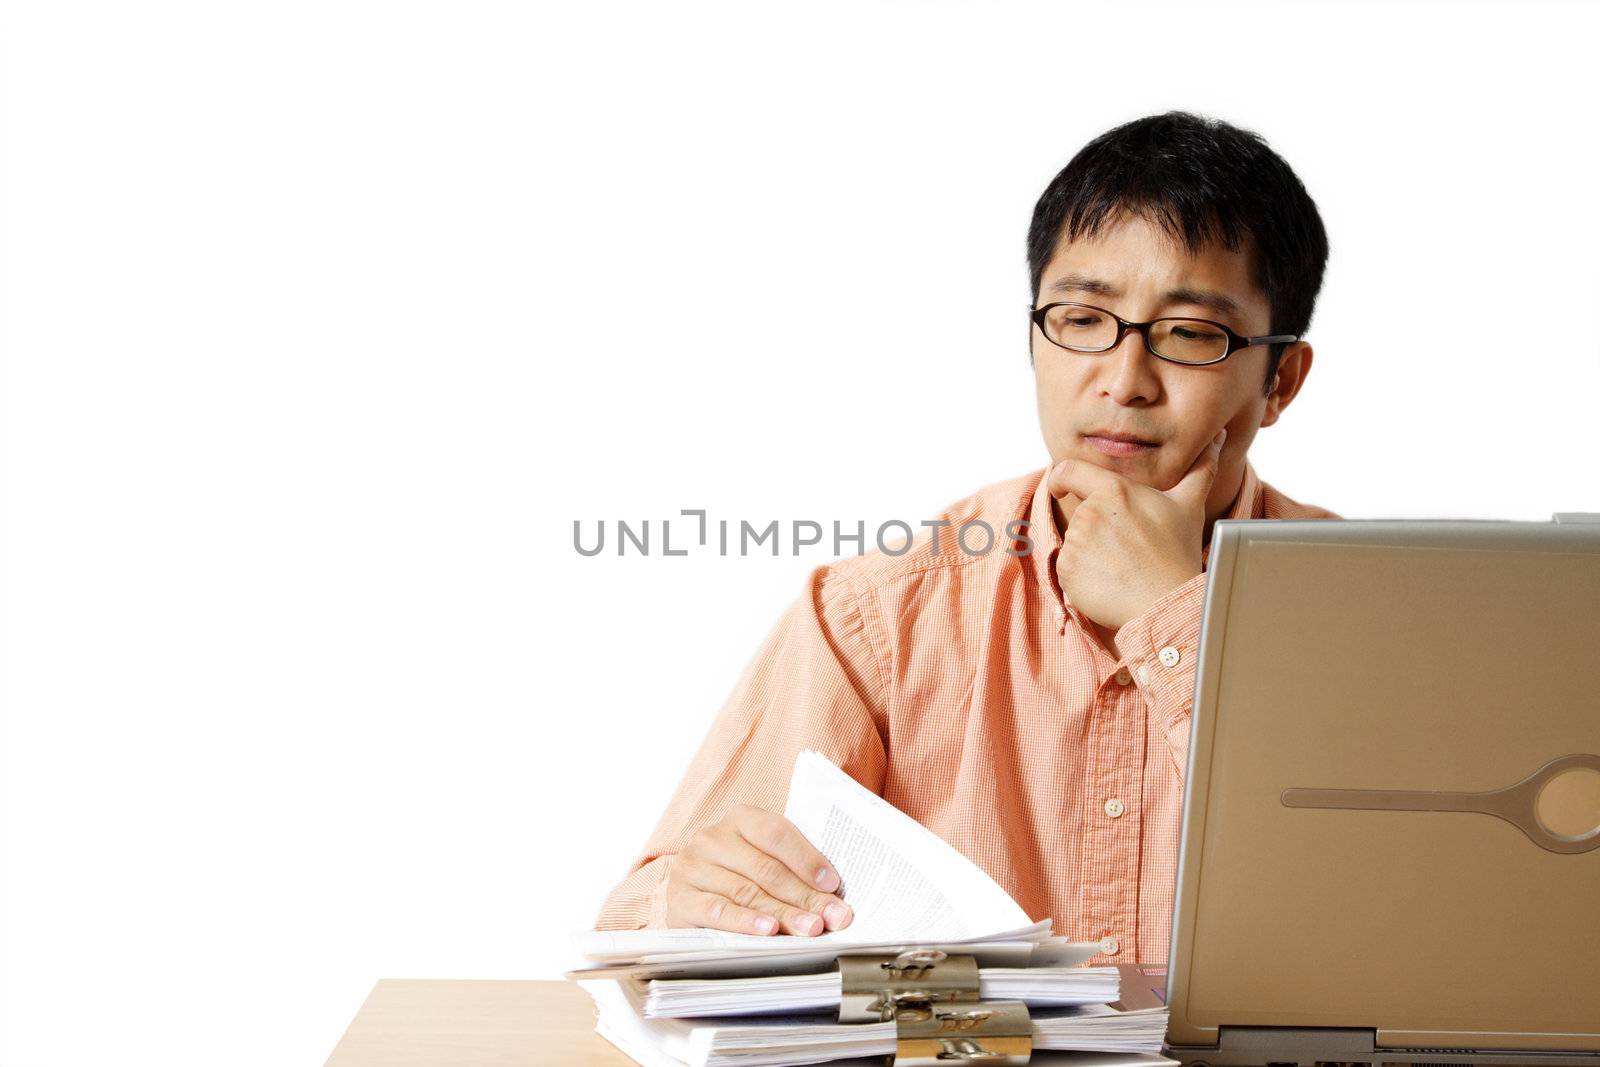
pixel 656 918
pixel 639 900
pixel 1162 649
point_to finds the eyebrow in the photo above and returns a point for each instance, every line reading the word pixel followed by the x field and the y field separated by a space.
pixel 1221 303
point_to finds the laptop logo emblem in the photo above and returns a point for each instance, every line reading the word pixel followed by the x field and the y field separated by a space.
pixel 1557 806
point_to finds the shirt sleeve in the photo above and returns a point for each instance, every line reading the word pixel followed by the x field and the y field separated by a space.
pixel 1162 649
pixel 816 682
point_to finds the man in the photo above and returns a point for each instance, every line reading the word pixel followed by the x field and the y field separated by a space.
pixel 1031 704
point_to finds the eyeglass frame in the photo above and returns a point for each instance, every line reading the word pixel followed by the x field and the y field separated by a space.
pixel 1236 341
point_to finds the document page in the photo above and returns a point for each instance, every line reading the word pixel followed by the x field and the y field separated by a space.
pixel 901 879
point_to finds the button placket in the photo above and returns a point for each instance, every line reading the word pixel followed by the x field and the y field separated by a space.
pixel 1112 855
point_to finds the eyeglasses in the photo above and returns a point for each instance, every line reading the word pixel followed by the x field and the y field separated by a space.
pixel 1193 342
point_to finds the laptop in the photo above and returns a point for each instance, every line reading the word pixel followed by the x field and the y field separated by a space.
pixel 1391 835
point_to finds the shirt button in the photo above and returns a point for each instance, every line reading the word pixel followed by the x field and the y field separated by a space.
pixel 1169 656
pixel 1144 675
pixel 1123 677
pixel 1110 945
pixel 1114 808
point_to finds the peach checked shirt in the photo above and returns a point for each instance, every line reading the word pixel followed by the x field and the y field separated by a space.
pixel 971 695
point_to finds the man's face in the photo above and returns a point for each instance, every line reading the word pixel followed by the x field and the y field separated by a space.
pixel 1135 269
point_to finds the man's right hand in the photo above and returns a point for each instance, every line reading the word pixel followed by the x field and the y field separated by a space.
pixel 754 872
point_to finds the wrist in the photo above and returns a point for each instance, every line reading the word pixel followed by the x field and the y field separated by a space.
pixel 1176 602
pixel 1161 587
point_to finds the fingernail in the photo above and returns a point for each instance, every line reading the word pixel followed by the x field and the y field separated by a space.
pixel 809 924
pixel 766 924
pixel 827 881
pixel 837 915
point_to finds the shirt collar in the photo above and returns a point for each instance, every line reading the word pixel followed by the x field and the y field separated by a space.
pixel 1249 504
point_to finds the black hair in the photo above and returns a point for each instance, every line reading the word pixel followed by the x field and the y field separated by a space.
pixel 1203 181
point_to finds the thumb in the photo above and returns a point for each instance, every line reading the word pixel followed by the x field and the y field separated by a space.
pixel 1193 488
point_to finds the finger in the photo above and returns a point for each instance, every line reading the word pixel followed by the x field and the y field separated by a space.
pixel 807 906
pixel 778 837
pixel 1076 476
pixel 696 907
pixel 749 894
pixel 1066 505
pixel 1195 485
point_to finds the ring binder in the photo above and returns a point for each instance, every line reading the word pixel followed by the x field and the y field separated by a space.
pixel 874 988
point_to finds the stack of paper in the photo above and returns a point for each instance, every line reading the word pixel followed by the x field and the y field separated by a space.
pixel 789 994
pixel 1095 1036
pixel 714 999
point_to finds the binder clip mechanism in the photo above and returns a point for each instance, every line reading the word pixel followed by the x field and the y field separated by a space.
pixel 932 998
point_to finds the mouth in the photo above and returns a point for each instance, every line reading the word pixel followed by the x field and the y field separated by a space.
pixel 1108 443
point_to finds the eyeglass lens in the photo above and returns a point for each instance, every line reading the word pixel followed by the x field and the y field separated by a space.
pixel 1091 330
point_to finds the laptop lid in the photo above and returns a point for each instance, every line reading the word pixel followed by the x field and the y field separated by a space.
pixel 1434 667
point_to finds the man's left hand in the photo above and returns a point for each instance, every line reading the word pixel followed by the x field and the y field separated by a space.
pixel 1128 544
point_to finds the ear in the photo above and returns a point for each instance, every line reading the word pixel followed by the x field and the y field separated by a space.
pixel 1292 371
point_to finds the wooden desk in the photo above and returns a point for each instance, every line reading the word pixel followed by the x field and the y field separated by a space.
pixel 408 1023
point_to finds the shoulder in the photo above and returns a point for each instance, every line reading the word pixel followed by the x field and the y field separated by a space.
pixel 968 532
pixel 1277 505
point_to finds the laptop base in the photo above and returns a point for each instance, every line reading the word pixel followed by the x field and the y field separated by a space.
pixel 1266 1046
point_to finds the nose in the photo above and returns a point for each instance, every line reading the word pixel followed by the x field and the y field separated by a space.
pixel 1128 372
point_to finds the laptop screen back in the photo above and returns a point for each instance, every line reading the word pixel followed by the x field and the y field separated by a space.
pixel 1426 663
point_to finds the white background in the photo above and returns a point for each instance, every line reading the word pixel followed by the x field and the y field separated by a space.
pixel 325 321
